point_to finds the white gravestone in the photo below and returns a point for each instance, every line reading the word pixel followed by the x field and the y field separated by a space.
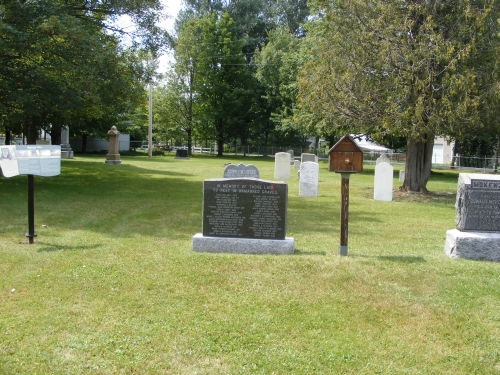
pixel 383 182
pixel 282 166
pixel 309 177
pixel 402 175
pixel 296 165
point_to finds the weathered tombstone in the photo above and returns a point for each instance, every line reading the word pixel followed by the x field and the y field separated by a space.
pixel 308 157
pixel 66 151
pixel 282 166
pixel 309 177
pixel 402 175
pixel 296 165
pixel 245 216
pixel 382 188
pixel 241 171
pixel 291 156
pixel 181 154
pixel 382 159
pixel 113 157
pixel 477 218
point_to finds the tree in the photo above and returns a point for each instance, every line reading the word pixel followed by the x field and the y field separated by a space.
pixel 411 68
pixel 222 77
pixel 59 60
pixel 277 68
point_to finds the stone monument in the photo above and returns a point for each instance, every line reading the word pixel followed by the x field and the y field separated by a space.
pixel 241 171
pixel 383 180
pixel 309 177
pixel 282 166
pixel 181 154
pixel 246 216
pixel 113 157
pixel 66 151
pixel 477 218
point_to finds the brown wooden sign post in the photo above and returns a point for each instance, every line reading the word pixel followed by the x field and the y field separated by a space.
pixel 345 157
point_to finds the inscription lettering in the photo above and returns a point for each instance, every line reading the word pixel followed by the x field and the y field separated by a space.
pixel 247 209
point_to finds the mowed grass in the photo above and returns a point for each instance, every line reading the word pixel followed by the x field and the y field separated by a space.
pixel 111 285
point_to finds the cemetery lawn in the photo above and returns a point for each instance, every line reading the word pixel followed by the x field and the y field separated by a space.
pixel 111 285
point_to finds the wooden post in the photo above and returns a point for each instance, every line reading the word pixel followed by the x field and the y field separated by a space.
pixel 344 214
pixel 31 209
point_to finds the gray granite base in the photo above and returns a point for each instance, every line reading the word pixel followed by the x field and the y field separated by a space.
pixel 472 245
pixel 66 154
pixel 242 245
pixel 112 162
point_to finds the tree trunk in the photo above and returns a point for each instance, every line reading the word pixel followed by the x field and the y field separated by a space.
pixel 55 134
pixel 189 133
pixel 31 131
pixel 7 136
pixel 84 143
pixel 418 163
pixel 266 141
pixel 220 146
pixel 495 162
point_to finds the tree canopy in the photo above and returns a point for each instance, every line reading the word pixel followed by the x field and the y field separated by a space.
pixel 411 68
pixel 60 61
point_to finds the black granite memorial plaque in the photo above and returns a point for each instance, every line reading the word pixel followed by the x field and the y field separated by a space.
pixel 181 153
pixel 244 208
pixel 241 171
pixel 478 203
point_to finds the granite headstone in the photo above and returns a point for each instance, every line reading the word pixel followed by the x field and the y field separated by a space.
pixel 478 203
pixel 241 171
pixel 477 218
pixel 244 215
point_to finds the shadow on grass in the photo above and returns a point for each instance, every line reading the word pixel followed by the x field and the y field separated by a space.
pixel 395 258
pixel 52 248
pixel 302 253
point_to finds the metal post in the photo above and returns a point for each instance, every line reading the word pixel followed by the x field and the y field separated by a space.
pixel 344 214
pixel 31 209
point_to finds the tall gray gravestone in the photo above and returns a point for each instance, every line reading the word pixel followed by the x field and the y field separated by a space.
pixel 309 178
pixel 383 181
pixel 477 218
pixel 246 216
pixel 66 151
pixel 113 156
pixel 282 166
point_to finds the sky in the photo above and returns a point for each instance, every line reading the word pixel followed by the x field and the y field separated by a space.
pixel 172 8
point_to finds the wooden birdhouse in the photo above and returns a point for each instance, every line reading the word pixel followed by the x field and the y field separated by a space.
pixel 345 156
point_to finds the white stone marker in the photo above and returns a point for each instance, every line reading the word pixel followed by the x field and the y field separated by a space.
pixel 296 165
pixel 309 177
pixel 383 182
pixel 402 175
pixel 282 166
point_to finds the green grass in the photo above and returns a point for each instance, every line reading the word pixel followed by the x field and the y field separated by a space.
pixel 111 285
